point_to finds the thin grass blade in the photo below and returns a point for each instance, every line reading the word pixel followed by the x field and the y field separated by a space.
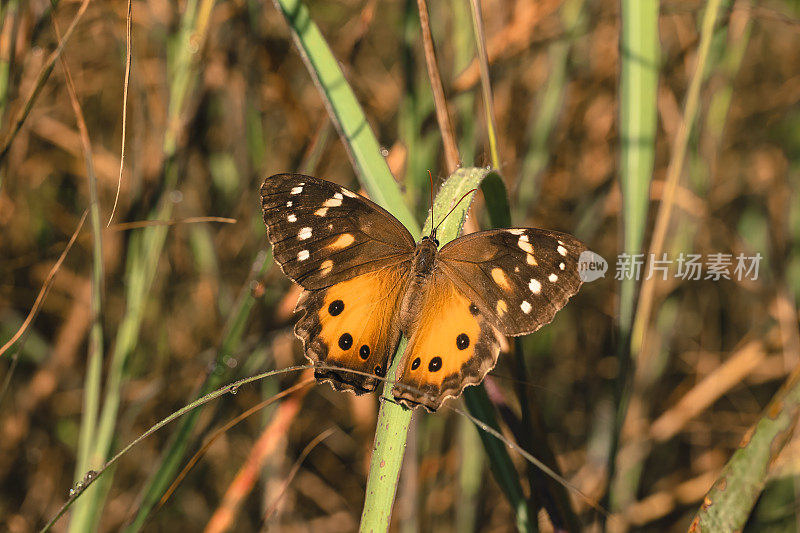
pixel 346 112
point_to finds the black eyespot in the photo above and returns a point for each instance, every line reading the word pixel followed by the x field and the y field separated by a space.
pixel 435 364
pixel 336 307
pixel 415 363
pixel 473 309
pixel 363 352
pixel 462 341
pixel 379 371
pixel 345 341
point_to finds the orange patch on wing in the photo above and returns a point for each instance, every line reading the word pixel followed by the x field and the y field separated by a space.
pixel 445 316
pixel 368 304
pixel 344 240
pixel 499 277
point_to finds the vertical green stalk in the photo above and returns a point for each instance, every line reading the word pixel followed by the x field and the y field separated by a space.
pixel 638 94
pixel 86 514
pixel 387 455
pixel 393 419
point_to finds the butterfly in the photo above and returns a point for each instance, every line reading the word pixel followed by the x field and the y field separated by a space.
pixel 367 282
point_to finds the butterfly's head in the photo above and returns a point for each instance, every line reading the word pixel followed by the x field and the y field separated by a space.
pixel 432 238
pixel 425 256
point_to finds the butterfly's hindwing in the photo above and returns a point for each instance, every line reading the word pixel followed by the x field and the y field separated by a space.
pixel 352 326
pixel 451 346
pixel 518 278
pixel 323 234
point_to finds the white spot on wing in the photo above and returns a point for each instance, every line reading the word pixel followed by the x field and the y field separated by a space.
pixel 562 266
pixel 304 233
pixel 349 194
pixel 553 278
pixel 291 218
pixel 535 286
pixel 321 212
pixel 562 250
pixel 303 255
pixel 338 196
pixel 296 190
pixel 516 231
pixel 333 202
pixel 526 307
pixel 289 203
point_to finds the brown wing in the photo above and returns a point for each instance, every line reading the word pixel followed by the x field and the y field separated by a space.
pixel 451 346
pixel 518 278
pixel 323 234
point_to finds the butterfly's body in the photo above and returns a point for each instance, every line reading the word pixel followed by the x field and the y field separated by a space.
pixel 367 283
pixel 417 283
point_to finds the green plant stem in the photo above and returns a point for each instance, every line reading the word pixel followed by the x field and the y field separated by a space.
pixel 391 433
pixel 727 505
pixel 393 419
pixel 638 93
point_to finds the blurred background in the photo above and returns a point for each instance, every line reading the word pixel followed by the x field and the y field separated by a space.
pixel 193 305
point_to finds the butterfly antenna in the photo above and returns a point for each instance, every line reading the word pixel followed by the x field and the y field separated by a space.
pixel 430 190
pixel 453 209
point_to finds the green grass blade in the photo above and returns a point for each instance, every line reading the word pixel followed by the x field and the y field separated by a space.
pixel 727 505
pixel 346 112
pixel 393 419
pixel 638 87
pixel 502 467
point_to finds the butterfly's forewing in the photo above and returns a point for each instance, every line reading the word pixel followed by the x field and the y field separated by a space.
pixel 518 278
pixel 352 257
pixel 451 347
pixel 323 234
